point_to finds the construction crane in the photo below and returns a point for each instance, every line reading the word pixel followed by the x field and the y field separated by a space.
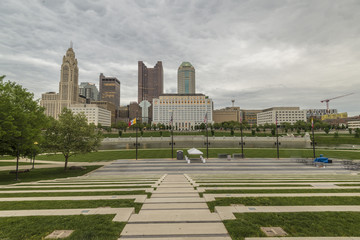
pixel 328 100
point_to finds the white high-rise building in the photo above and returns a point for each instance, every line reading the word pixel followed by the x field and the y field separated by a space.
pixel 188 110
pixel 93 113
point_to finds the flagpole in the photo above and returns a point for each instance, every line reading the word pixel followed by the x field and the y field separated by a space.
pixel 207 138
pixel 136 140
pixel 313 136
pixel 172 136
pixel 242 142
pixel 277 138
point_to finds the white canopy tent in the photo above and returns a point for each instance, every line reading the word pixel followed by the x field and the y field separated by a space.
pixel 194 151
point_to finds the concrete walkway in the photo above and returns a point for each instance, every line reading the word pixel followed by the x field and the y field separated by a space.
pixel 175 211
pixel 226 212
pixel 122 214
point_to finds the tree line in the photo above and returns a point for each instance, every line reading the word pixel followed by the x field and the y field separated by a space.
pixel 26 131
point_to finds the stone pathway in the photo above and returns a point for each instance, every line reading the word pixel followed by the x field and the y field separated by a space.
pixel 175 211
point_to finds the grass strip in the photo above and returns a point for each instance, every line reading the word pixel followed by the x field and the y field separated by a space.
pixel 89 227
pixel 297 224
pixel 55 194
pixel 44 174
pixel 278 182
pixel 348 185
pixel 6 164
pixel 284 201
pixel 256 185
pixel 64 204
pixel 213 153
pixel 337 190
pixel 69 188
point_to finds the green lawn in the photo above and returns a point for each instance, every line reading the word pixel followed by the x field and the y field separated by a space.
pixel 336 190
pixel 257 185
pixel 55 194
pixel 43 174
pixel 213 153
pixel 314 224
pixel 284 201
pixel 63 204
pixel 70 188
pixel 331 140
pixel 2 157
pixel 90 227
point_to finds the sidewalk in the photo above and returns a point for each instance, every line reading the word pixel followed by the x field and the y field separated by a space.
pixel 175 211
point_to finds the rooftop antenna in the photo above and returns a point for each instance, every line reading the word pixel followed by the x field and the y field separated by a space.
pixel 71 44
pixel 233 102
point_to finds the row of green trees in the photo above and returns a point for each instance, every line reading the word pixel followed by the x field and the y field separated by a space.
pixel 26 131
pixel 233 125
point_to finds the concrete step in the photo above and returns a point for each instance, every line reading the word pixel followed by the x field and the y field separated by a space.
pixel 189 215
pixel 161 229
pixel 175 206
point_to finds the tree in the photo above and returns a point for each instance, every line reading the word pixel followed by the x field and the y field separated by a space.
pixel 326 130
pixel 71 135
pixel 350 130
pixel 336 134
pixel 21 121
pixel 357 133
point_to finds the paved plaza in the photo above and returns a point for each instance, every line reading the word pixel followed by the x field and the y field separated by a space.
pixel 175 195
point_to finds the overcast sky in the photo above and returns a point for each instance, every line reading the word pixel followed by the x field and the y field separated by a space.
pixel 260 53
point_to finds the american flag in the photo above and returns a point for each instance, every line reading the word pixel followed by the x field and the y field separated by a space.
pixel 171 118
pixel 312 122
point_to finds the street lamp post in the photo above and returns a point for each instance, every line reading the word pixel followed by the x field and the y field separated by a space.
pixel 313 136
pixel 277 138
pixel 34 154
pixel 242 141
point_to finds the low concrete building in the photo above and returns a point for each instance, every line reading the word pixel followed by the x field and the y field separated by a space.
pixel 250 116
pixel 354 124
pixel 318 113
pixel 188 110
pixel 108 106
pixel 281 115
pixel 227 114
pixel 334 116
pixel 93 113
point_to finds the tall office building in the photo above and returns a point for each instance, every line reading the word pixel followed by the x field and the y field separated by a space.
pixel 89 91
pixel 109 90
pixel 68 87
pixel 150 81
pixel 186 78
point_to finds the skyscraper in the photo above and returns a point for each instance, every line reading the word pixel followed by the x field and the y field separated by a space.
pixel 68 87
pixel 89 91
pixel 150 81
pixel 109 90
pixel 186 78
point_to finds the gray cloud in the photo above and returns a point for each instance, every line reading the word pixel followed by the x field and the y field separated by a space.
pixel 261 53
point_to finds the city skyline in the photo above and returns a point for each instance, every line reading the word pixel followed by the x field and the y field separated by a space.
pixel 242 50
